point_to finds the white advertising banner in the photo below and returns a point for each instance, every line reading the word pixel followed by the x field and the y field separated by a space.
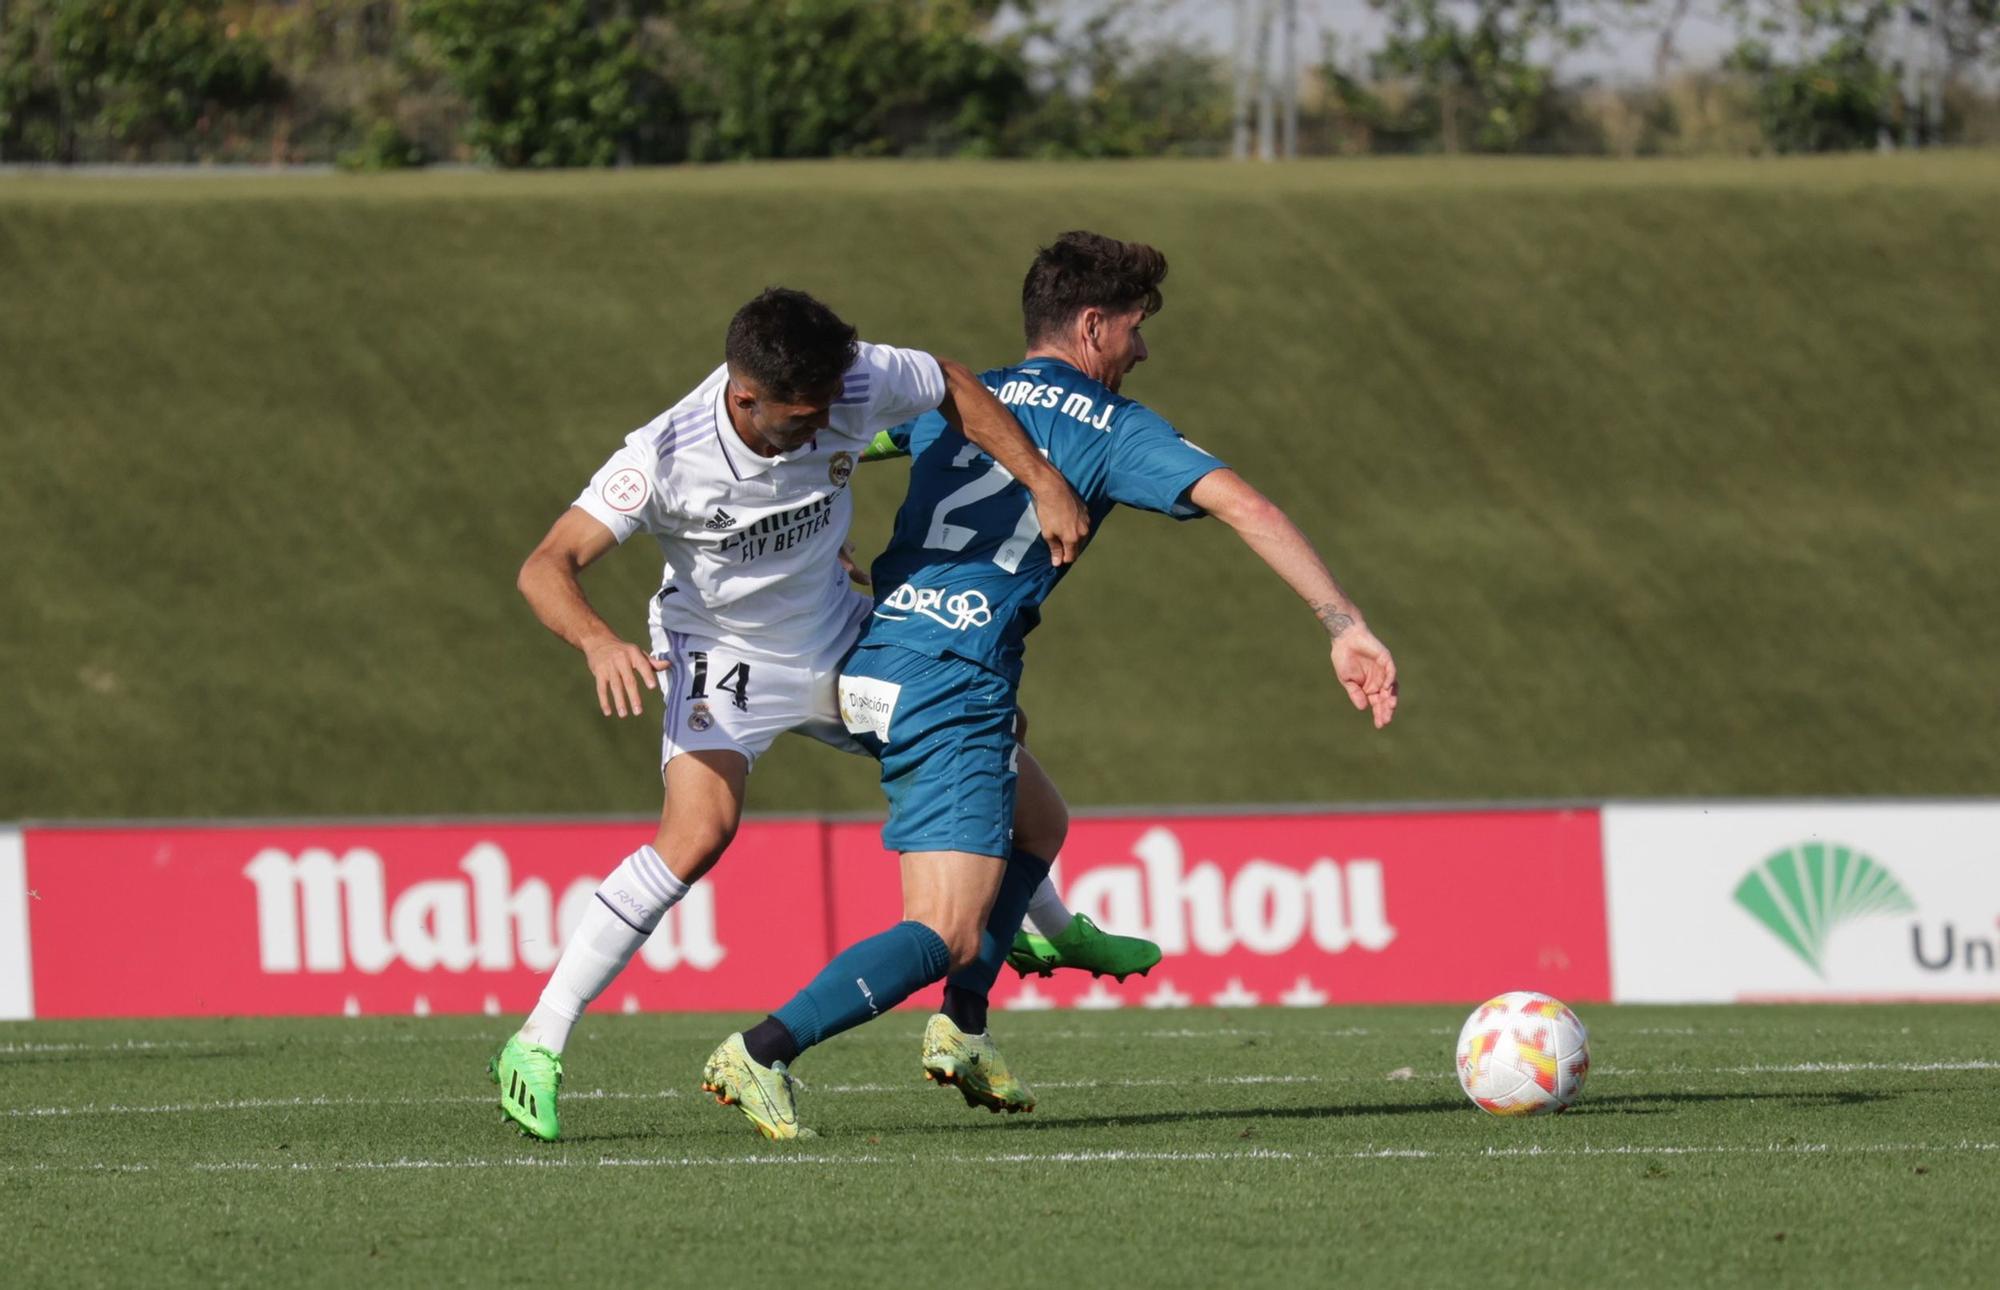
pixel 17 988
pixel 1806 900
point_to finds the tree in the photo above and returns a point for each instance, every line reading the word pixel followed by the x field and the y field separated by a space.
pixel 1833 92
pixel 141 74
pixel 1836 101
pixel 1472 69
pixel 1099 95
pixel 824 78
pixel 356 91
pixel 1850 73
pixel 549 82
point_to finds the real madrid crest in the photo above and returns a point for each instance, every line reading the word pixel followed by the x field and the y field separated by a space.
pixel 700 718
pixel 840 468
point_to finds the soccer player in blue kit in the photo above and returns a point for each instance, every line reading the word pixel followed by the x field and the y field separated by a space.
pixel 930 688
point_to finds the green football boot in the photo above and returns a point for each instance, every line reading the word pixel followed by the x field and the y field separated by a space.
pixel 1083 947
pixel 973 1065
pixel 763 1093
pixel 528 1076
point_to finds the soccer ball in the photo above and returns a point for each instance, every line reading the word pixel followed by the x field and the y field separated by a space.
pixel 1523 1054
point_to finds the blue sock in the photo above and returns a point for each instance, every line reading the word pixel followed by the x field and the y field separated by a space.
pixel 866 978
pixel 966 990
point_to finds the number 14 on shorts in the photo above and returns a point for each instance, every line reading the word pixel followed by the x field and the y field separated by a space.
pixel 735 682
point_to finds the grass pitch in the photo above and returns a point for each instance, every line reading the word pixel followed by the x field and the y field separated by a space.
pixel 1724 1146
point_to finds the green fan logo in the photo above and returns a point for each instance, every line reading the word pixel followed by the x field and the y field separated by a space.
pixel 1802 893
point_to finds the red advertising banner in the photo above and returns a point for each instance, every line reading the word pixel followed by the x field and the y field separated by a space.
pixel 397 919
pixel 413 918
pixel 1297 909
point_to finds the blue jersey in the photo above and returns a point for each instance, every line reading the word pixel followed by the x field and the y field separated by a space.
pixel 966 571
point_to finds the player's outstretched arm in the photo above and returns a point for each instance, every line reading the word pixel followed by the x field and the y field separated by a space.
pixel 548 580
pixel 971 408
pixel 1361 663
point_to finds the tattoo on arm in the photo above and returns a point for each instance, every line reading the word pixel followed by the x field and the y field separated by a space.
pixel 1332 619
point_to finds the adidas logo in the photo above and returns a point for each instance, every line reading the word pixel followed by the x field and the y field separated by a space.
pixel 518 1091
pixel 720 520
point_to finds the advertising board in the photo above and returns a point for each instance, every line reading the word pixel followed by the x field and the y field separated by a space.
pixel 1798 901
pixel 402 918
pixel 407 918
pixel 1308 909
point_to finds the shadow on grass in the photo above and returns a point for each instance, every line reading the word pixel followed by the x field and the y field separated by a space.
pixel 1036 1122
pixel 1616 1104
pixel 651 1133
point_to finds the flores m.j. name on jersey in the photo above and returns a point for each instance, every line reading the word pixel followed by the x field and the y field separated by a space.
pixel 752 544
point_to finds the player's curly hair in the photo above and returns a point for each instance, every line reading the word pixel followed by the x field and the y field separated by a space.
pixel 1079 271
pixel 791 345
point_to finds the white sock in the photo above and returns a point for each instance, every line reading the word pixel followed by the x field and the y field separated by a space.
pixel 1046 911
pixel 629 905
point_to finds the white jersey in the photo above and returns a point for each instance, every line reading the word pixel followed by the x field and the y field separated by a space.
pixel 752 544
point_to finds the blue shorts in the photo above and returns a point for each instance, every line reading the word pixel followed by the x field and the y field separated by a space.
pixel 943 730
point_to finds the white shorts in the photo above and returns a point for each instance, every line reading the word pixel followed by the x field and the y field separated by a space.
pixel 720 696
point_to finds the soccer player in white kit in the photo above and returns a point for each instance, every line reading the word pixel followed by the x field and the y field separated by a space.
pixel 744 484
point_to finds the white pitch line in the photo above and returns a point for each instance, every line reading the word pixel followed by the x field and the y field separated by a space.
pixel 128 1045
pixel 1807 1068
pixel 599 1095
pixel 1114 1156
pixel 663 1162
pixel 526 1162
pixel 308 1100
pixel 1162 1082
pixel 684 1162
pixel 1121 1156
pixel 143 1045
pixel 1770 1149
pixel 495 1037
pixel 315 1100
pixel 1181 1033
pixel 1816 1068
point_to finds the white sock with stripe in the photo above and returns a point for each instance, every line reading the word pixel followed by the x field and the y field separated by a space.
pixel 629 905
pixel 1046 912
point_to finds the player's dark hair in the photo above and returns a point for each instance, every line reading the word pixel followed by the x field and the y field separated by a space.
pixel 1080 271
pixel 790 344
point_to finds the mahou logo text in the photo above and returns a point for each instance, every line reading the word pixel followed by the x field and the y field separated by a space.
pixel 318 912
pixel 1263 907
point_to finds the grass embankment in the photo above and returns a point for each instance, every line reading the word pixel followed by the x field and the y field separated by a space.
pixel 1660 479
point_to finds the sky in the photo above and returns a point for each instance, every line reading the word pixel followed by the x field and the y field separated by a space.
pixel 1701 41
